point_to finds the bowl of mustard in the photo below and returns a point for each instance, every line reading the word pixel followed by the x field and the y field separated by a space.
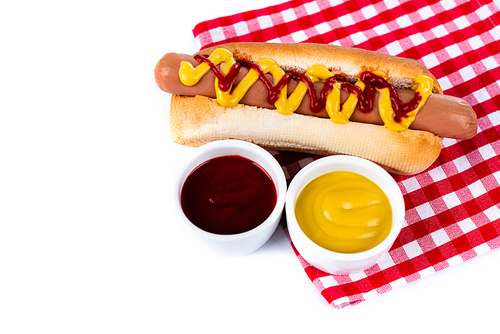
pixel 343 213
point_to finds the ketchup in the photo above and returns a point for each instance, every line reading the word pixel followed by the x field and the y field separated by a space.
pixel 228 195
pixel 366 98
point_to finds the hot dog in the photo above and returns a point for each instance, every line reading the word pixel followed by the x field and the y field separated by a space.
pixel 196 118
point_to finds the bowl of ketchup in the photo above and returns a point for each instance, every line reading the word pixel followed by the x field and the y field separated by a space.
pixel 230 194
pixel 343 213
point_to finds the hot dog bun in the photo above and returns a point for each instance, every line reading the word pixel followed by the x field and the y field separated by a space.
pixel 339 59
pixel 197 120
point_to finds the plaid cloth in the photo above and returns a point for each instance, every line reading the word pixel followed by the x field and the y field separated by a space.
pixel 453 210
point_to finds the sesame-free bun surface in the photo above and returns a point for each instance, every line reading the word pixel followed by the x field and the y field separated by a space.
pixel 339 59
pixel 197 120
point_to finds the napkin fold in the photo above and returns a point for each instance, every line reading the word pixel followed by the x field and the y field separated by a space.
pixel 453 208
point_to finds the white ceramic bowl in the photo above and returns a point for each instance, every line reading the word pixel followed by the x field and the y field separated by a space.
pixel 324 259
pixel 242 243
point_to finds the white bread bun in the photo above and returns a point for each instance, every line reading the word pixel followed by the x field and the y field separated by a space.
pixel 338 59
pixel 195 121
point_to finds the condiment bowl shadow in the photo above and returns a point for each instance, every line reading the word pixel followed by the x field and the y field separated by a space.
pixel 335 262
pixel 240 244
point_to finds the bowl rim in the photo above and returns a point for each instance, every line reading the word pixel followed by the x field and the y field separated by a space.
pixel 195 159
pixel 397 203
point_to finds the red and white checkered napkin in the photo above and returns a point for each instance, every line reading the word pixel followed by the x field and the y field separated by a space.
pixel 453 209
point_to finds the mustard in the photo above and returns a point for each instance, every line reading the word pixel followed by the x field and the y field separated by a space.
pixel 423 86
pixel 337 115
pixel 344 212
pixel 287 105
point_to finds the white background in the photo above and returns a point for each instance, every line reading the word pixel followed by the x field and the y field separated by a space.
pixel 88 241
